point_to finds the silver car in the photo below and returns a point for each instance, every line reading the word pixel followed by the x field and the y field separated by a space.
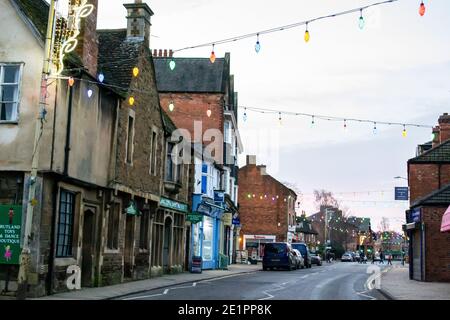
pixel 299 259
pixel 347 257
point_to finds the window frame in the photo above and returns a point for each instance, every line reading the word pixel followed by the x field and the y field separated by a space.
pixel 19 90
pixel 153 150
pixel 131 115
pixel 115 234
pixel 70 235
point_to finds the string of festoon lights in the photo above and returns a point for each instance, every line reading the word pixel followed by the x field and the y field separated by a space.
pixel 307 35
pixel 345 120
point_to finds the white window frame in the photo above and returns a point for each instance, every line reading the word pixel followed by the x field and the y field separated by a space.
pixel 153 151
pixel 18 84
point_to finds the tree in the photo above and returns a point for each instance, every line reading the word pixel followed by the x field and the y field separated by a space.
pixel 325 198
pixel 383 226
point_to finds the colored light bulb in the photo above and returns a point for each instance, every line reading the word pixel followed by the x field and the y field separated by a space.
pixel 172 65
pixel 71 81
pixel 307 36
pixel 171 106
pixel 361 23
pixel 312 122
pixel 90 93
pixel 257 45
pixel 208 113
pixel 404 133
pixel 212 58
pixel 375 130
pixel 135 71
pixel 131 101
pixel 101 77
pixel 422 9
pixel 244 117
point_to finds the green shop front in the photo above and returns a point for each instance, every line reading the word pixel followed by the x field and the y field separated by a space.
pixel 205 235
pixel 168 226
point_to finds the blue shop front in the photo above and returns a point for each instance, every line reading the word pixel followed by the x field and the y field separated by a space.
pixel 206 228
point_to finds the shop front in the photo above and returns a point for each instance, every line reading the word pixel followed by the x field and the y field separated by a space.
pixel 414 229
pixel 254 244
pixel 205 235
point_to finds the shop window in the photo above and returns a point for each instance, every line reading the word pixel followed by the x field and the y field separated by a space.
pixel 143 239
pixel 157 238
pixel 113 227
pixel 173 170
pixel 10 78
pixel 65 224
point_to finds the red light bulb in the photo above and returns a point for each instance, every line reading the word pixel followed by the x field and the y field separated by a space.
pixel 422 9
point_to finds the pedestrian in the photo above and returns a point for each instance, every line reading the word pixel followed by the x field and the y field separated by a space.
pixel 361 257
pixel 381 257
pixel 373 258
pixel 389 259
pixel 328 256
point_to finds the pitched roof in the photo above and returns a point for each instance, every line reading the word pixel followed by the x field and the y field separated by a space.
pixel 440 153
pixel 117 56
pixel 191 75
pixel 168 123
pixel 438 197
pixel 36 11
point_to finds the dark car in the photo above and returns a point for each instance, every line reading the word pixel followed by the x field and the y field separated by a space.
pixel 303 248
pixel 279 255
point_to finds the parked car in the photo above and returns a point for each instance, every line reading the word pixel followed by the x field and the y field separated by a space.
pixel 303 248
pixel 299 258
pixel 279 255
pixel 347 257
pixel 356 257
pixel 316 259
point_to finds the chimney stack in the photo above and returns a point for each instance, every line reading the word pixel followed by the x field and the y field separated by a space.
pixel 436 137
pixel 263 170
pixel 87 47
pixel 138 25
pixel 444 128
pixel 251 160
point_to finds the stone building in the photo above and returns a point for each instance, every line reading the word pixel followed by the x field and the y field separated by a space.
pixel 110 200
pixel 429 182
pixel 266 206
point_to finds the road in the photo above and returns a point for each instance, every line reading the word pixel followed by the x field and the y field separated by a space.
pixel 336 281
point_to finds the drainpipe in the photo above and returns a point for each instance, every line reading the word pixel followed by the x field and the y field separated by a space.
pixel 49 285
pixel 69 123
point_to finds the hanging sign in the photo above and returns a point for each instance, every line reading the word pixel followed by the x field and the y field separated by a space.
pixel 132 209
pixel 194 217
pixel 401 193
pixel 10 231
pixel 227 218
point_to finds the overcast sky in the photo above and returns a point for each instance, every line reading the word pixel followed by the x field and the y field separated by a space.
pixel 396 69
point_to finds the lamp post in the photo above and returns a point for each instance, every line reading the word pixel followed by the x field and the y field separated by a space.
pixel 32 202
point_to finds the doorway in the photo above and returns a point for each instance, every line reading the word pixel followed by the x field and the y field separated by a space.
pixel 128 252
pixel 87 259
pixel 167 242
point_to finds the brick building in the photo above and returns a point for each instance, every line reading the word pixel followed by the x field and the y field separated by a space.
pixel 266 206
pixel 429 182
pixel 200 99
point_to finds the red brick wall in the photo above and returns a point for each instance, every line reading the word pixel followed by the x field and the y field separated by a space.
pixel 423 179
pixel 87 47
pixel 190 107
pixel 261 216
pixel 437 245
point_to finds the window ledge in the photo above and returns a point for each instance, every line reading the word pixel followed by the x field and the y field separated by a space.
pixel 172 187
pixel 9 122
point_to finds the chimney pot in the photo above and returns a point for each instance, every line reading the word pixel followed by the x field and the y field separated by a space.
pixel 171 53
pixel 160 53
pixel 251 160
pixel 165 53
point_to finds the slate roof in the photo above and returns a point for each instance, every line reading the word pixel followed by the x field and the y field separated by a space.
pixel 191 75
pixel 440 153
pixel 438 197
pixel 168 123
pixel 37 13
pixel 117 57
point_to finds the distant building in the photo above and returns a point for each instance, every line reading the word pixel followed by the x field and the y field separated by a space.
pixel 304 232
pixel 267 208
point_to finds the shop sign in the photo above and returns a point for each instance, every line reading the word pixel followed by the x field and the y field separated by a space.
pixel 227 218
pixel 132 209
pixel 167 203
pixel 236 221
pixel 415 215
pixel 219 196
pixel 401 193
pixel 10 231
pixel 194 217
pixel 259 237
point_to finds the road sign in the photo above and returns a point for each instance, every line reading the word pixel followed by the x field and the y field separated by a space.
pixel 401 193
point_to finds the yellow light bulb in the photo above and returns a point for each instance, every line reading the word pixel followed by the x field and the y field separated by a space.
pixel 307 36
pixel 135 71
pixel 131 101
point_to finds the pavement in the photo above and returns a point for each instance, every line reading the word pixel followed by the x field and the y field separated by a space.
pixel 396 285
pixel 133 287
pixel 334 281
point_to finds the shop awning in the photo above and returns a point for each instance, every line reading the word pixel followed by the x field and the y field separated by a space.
pixel 445 224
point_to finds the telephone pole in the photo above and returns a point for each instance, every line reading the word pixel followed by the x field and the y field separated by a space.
pixel 32 201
